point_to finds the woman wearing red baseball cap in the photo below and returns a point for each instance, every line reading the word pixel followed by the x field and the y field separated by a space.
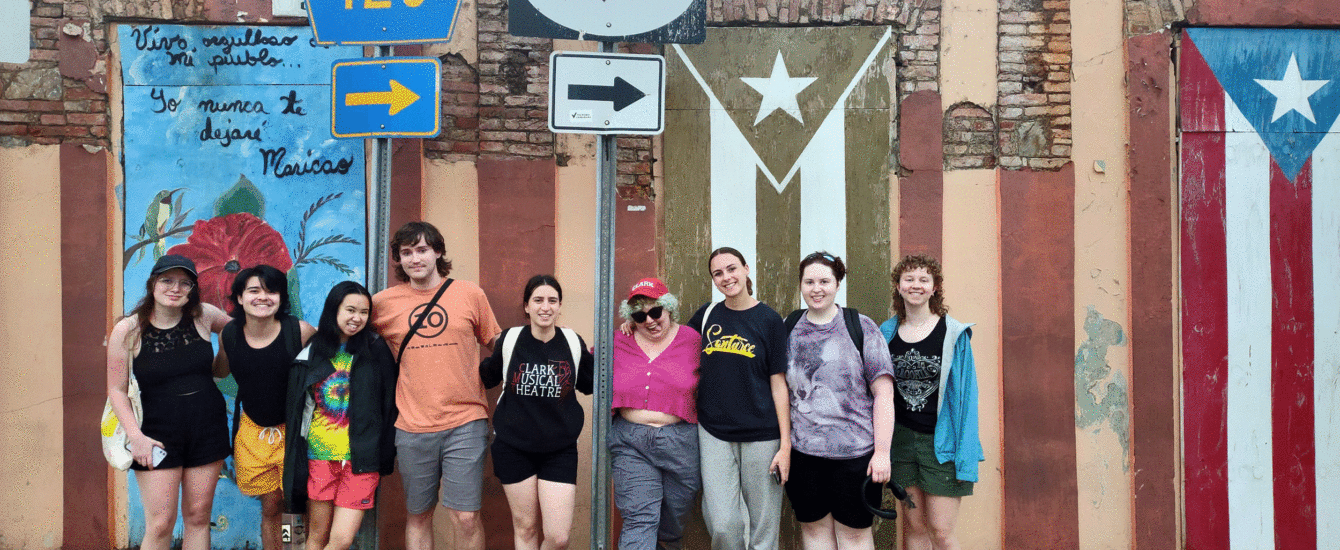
pixel 654 437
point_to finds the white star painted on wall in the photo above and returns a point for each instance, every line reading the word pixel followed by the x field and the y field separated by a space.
pixel 779 91
pixel 1292 92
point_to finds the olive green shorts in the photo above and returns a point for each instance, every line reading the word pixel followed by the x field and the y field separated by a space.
pixel 914 465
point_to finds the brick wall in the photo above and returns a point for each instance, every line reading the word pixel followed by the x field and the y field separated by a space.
pixel 59 95
pixel 495 108
pixel 969 137
pixel 1033 106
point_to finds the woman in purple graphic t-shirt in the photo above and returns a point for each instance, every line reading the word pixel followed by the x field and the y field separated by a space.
pixel 841 414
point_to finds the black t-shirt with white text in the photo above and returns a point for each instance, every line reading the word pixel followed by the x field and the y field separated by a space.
pixel 539 411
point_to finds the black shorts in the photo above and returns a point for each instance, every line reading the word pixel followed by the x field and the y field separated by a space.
pixel 822 486
pixel 513 465
pixel 193 428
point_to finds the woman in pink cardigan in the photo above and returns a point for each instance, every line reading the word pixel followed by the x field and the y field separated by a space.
pixel 654 437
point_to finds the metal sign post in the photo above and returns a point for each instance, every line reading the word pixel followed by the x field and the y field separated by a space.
pixel 606 160
pixel 380 214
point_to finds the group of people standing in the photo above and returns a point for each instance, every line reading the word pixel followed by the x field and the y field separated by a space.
pixel 738 403
pixel 811 406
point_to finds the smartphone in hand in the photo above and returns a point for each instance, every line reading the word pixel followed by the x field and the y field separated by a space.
pixel 776 476
pixel 158 455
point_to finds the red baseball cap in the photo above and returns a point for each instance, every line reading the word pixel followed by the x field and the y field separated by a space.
pixel 650 287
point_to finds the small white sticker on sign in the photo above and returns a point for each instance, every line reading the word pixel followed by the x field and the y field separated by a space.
pixel 576 115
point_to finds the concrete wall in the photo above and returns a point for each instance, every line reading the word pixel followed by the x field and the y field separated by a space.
pixel 30 370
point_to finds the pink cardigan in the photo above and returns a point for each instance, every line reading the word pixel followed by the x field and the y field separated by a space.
pixel 667 384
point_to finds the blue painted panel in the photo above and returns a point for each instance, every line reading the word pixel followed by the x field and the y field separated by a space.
pixel 1283 80
pixel 228 160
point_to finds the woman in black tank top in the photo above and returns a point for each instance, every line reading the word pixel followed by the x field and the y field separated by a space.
pixel 258 348
pixel 166 339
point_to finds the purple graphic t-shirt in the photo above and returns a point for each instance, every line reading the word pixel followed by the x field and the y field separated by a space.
pixel 832 408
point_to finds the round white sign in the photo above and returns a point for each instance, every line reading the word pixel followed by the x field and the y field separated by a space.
pixel 612 17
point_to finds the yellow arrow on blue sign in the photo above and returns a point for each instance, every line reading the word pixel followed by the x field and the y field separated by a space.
pixel 386 97
pixel 397 99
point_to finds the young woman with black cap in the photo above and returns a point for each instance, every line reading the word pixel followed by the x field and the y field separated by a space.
pixel 165 341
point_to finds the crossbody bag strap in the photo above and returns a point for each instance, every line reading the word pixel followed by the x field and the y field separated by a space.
pixel 419 322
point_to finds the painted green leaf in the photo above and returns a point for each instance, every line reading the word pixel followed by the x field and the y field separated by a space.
pixel 294 294
pixel 242 197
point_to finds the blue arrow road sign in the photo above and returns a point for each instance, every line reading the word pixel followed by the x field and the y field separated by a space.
pixel 382 22
pixel 385 97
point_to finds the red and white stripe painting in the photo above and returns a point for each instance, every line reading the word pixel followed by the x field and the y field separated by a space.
pixel 1260 289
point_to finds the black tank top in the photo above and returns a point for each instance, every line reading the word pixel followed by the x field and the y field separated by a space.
pixel 174 361
pixel 261 374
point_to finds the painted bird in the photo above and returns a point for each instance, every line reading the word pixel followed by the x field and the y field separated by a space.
pixel 161 210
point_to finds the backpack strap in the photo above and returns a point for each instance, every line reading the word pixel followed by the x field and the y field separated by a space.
pixel 292 335
pixel 793 318
pixel 850 316
pixel 574 347
pixel 853 319
pixel 508 346
pixel 702 329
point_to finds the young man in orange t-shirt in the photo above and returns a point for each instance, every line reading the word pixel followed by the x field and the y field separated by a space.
pixel 442 431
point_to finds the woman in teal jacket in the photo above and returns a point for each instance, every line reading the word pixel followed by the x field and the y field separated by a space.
pixel 936 447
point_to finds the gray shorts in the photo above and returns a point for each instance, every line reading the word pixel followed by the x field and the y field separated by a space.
pixel 450 459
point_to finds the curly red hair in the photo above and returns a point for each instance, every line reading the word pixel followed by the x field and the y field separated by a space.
pixel 932 266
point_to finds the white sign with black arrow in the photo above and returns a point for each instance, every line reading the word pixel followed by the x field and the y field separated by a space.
pixel 606 93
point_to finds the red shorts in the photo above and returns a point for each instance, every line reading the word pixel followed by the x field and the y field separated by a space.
pixel 336 481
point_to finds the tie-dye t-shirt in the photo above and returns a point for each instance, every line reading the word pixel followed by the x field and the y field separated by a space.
pixel 328 438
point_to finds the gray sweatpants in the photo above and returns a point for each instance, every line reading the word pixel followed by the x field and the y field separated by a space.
pixel 655 473
pixel 737 486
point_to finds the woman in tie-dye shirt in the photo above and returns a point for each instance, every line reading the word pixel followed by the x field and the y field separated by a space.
pixel 341 418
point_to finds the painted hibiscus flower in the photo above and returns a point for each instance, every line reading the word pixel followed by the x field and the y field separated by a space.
pixel 223 246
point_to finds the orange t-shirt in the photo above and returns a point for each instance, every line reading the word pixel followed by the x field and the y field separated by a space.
pixel 438 387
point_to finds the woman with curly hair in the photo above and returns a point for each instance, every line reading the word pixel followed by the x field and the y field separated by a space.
pixel 935 443
pixel 258 348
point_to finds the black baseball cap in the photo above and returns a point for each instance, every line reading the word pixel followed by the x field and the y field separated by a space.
pixel 174 261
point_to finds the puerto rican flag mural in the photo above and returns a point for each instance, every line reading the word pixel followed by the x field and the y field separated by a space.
pixel 788 147
pixel 1260 287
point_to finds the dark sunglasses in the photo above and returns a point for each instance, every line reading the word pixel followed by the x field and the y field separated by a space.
pixel 641 316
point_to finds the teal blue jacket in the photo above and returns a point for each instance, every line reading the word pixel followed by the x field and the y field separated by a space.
pixel 956 436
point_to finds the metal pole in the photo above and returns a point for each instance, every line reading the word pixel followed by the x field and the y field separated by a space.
pixel 379 209
pixel 379 216
pixel 606 159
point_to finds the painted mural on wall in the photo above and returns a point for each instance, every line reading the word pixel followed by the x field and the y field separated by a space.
pixel 229 161
pixel 1260 272
pixel 796 127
